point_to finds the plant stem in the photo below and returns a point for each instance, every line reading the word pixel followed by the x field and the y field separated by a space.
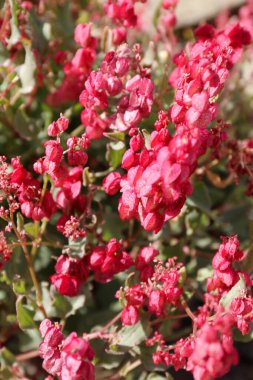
pixel 32 243
pixel 27 356
pixel 187 309
pixel 30 267
pixel 169 317
pixel 100 333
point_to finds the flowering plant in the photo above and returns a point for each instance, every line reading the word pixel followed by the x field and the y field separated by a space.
pixel 126 177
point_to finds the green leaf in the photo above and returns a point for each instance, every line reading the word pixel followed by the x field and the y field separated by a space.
pixel 6 358
pixel 109 361
pixel 76 303
pixel 146 135
pixel 156 376
pixel 43 258
pixel 29 340
pixel 204 273
pixel 20 222
pixel 30 229
pixel 37 25
pixel 62 305
pixel 114 154
pixel 26 71
pixel 77 247
pixel 147 360
pixel 236 291
pixel 130 336
pixel 200 198
pixel 18 285
pixel 4 278
pixel 25 314
pixel 115 136
pixel 24 125
pixel 238 337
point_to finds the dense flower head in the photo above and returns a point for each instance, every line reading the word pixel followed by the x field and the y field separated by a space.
pixel 58 126
pixel 111 183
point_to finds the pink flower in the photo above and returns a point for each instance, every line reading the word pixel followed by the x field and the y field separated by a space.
pixel 54 151
pixel 58 126
pixel 156 302
pixel 213 352
pixel 76 356
pixel 111 183
pixel 129 316
pixel 50 347
pixel 145 256
pixel 77 157
pixel 82 36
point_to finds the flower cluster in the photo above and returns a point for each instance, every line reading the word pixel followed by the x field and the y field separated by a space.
pixel 67 177
pixel 134 96
pixel 106 261
pixel 156 292
pixel 68 358
pixel 150 131
pixel 225 276
pixel 49 348
pixel 209 352
pixel 158 179
pixel 70 274
pixel 5 251
pixel 34 203
pixel 213 351
pixel 122 11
